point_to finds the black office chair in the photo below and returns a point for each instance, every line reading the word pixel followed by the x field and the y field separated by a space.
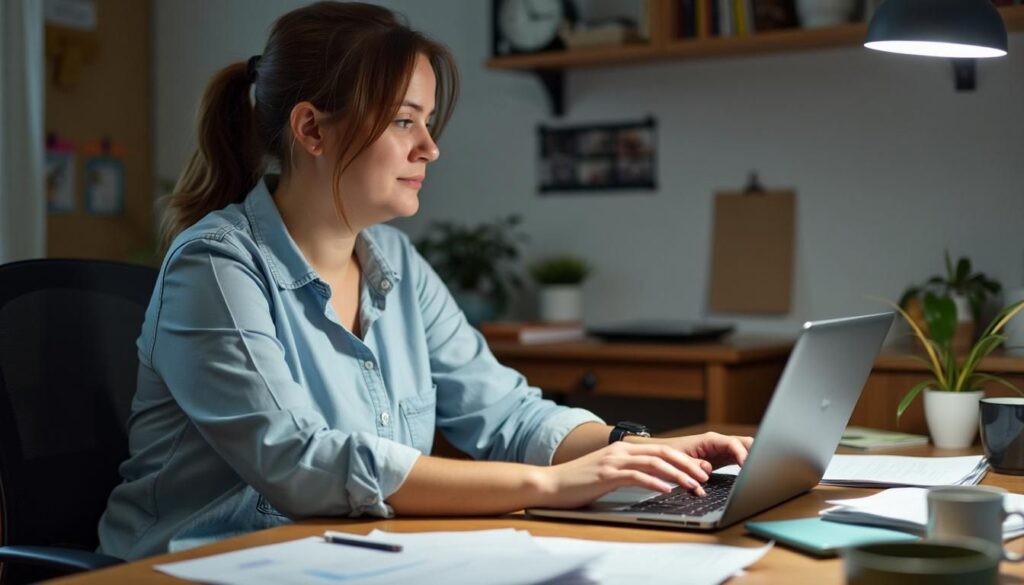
pixel 68 369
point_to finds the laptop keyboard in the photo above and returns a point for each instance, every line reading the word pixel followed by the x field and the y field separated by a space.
pixel 683 502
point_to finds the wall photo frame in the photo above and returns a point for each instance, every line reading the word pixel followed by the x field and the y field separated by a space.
pixel 104 186
pixel 598 157
pixel 60 176
pixel 104 177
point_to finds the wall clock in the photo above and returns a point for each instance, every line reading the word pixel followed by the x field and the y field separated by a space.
pixel 530 26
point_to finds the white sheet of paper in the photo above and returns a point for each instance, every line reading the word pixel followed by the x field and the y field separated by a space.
pixel 896 470
pixel 653 563
pixel 312 560
pixel 901 470
pixel 908 507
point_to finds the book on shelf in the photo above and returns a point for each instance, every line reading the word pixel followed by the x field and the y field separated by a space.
pixel 867 439
pixel 532 332
pixel 729 18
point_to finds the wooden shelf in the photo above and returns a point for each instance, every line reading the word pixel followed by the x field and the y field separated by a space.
pixel 772 41
pixel 663 47
pixel 796 39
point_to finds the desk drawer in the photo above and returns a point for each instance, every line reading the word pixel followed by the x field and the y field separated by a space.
pixel 629 379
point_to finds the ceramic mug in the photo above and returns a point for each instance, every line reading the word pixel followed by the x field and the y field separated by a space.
pixel 968 561
pixel 956 512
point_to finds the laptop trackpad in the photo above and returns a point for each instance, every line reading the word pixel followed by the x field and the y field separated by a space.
pixel 624 497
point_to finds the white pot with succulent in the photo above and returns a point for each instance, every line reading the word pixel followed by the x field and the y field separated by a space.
pixel 561 293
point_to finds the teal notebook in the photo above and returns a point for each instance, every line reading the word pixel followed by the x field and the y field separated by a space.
pixel 823 538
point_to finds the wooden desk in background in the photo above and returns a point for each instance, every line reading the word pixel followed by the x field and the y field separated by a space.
pixel 734 378
pixel 780 565
pixel 899 369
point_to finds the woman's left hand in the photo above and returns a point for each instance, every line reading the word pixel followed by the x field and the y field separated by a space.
pixel 714 449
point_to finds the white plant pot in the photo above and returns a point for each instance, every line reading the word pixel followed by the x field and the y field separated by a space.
pixel 561 303
pixel 819 13
pixel 952 417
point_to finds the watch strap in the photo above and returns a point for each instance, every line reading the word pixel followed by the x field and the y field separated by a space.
pixel 626 428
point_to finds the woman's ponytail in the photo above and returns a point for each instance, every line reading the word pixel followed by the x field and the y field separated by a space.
pixel 227 163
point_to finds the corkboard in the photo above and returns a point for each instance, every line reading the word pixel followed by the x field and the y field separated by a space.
pixel 111 97
pixel 752 252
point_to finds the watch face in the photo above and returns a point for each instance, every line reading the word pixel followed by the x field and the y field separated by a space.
pixel 529 25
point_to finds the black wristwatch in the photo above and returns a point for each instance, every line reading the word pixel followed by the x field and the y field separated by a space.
pixel 625 428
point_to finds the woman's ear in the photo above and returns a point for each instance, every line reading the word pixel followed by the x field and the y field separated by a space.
pixel 305 126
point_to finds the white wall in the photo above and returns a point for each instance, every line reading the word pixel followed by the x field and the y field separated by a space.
pixel 890 164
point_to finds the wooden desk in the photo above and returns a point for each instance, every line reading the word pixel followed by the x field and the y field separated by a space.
pixel 898 370
pixel 780 565
pixel 734 378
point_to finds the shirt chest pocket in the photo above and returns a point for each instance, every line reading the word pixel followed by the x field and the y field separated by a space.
pixel 418 414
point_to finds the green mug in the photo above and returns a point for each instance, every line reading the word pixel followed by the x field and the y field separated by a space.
pixel 965 561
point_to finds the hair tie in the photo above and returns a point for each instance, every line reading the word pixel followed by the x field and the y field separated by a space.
pixel 250 68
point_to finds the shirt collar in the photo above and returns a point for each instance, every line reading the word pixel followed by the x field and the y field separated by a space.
pixel 282 254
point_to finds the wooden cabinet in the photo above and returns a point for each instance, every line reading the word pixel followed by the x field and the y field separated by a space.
pixel 897 371
pixel 735 379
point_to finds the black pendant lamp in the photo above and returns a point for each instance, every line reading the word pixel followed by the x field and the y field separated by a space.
pixel 971 29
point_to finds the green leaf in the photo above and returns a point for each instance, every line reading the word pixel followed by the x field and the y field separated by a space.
pixel 940 314
pixel 1000 320
pixel 963 271
pixel 983 347
pixel 994 379
pixel 949 266
pixel 909 397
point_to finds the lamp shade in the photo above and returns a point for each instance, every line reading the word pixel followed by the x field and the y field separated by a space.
pixel 938 28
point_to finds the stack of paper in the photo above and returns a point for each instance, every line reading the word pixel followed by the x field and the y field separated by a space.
pixel 895 470
pixel 906 509
pixel 898 471
pixel 486 556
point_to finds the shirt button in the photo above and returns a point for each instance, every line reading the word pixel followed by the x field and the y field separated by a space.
pixel 368 364
pixel 385 418
pixel 385 284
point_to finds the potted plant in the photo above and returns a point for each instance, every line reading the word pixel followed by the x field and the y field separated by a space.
pixel 968 290
pixel 474 261
pixel 560 278
pixel 951 395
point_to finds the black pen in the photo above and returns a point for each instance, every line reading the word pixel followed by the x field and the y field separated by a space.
pixel 342 538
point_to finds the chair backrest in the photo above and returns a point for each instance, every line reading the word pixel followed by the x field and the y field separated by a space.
pixel 68 371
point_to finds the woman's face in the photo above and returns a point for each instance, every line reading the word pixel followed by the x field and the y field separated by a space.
pixel 384 181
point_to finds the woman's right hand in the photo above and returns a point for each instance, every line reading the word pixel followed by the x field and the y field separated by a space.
pixel 650 466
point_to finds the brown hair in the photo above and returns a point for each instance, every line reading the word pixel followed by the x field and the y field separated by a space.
pixel 349 59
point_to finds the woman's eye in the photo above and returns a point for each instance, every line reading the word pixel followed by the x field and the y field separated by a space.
pixel 404 123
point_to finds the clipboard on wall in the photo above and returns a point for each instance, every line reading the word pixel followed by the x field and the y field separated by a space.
pixel 752 250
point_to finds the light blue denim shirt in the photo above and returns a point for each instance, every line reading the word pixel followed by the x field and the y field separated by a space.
pixel 255 405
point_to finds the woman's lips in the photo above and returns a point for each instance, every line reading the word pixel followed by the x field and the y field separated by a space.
pixel 414 182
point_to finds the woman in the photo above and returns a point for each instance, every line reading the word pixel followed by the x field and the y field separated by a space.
pixel 297 356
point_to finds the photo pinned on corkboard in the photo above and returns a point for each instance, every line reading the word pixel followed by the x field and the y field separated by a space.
pixel 598 157
pixel 60 175
pixel 104 178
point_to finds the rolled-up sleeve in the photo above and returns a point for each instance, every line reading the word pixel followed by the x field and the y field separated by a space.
pixel 485 409
pixel 216 349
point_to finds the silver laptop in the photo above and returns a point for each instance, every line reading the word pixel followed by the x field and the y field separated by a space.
pixel 796 439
